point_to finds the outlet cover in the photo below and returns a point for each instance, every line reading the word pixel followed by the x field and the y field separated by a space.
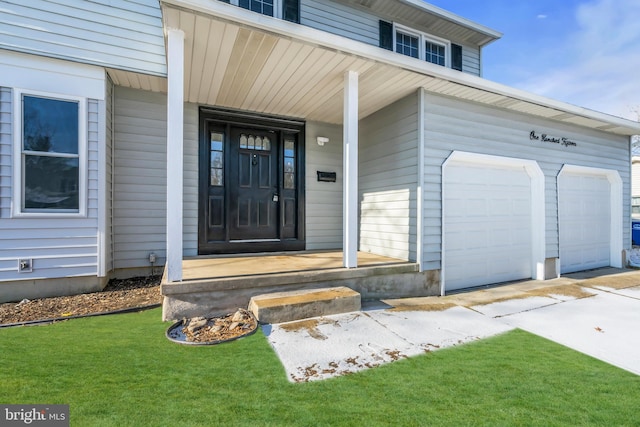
pixel 25 265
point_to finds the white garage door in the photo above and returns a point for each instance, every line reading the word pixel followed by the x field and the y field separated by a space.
pixel 487 224
pixel 584 214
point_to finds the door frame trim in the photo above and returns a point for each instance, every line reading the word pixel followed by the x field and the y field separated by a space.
pixel 229 118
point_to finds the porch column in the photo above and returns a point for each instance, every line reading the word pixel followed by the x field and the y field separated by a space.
pixel 175 136
pixel 350 171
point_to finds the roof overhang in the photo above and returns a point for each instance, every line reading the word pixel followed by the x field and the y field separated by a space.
pixel 426 17
pixel 238 59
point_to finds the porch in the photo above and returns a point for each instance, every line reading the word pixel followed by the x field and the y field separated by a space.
pixel 219 284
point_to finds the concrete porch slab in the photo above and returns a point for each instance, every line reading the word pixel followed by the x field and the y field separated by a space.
pixel 221 285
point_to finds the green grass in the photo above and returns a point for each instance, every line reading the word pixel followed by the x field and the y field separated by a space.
pixel 121 371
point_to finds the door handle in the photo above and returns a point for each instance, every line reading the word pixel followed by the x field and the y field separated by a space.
pixel 276 197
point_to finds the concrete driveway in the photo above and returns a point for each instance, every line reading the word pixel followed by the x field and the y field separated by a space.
pixel 596 313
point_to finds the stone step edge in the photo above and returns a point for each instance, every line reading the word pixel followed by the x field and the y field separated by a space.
pixel 290 306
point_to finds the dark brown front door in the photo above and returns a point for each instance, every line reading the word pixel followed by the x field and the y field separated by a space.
pixel 251 184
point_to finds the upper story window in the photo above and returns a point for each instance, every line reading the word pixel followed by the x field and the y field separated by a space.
pixel 289 10
pixel 435 53
pixel 422 46
pixel 50 146
pixel 407 44
pixel 264 7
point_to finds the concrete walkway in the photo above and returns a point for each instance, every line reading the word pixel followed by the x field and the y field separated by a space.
pixel 596 313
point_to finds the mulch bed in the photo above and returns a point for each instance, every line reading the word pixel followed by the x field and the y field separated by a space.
pixel 119 294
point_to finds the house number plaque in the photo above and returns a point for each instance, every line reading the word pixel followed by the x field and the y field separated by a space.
pixel 533 136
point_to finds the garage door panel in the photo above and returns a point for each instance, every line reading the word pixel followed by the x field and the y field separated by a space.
pixel 584 216
pixel 476 205
pixel 476 240
pixel 488 238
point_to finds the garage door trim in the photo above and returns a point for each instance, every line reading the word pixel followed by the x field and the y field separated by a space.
pixel 616 207
pixel 537 205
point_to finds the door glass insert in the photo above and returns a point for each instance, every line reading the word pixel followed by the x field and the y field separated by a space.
pixel 217 159
pixel 252 142
pixel 289 164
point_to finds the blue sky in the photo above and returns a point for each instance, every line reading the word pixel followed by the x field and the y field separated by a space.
pixel 584 52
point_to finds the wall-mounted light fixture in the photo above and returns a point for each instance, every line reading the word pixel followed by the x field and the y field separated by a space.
pixel 322 140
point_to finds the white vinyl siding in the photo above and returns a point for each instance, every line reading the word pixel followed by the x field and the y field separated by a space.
pixel 455 125
pixel 123 34
pixel 388 170
pixel 471 60
pixel 139 191
pixel 341 20
pixel 323 199
pixel 59 247
pixel 190 187
pixel 140 166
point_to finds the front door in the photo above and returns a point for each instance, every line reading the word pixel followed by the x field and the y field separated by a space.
pixel 251 184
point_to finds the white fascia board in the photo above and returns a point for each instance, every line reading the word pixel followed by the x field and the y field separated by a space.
pixel 492 34
pixel 240 16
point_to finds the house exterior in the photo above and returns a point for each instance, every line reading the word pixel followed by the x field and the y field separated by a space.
pixel 134 133
pixel 635 187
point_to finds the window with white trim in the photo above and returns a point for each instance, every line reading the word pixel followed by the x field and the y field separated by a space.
pixel 50 141
pixel 422 46
pixel 435 53
pixel 289 10
pixel 407 44
pixel 265 7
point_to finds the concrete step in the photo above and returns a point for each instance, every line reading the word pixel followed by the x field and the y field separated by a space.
pixel 282 307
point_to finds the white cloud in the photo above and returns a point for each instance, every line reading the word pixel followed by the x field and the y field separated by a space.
pixel 542 16
pixel 601 69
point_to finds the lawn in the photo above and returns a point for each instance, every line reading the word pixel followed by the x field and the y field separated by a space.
pixel 120 370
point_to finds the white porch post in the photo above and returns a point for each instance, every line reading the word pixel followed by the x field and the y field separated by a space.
pixel 350 171
pixel 175 135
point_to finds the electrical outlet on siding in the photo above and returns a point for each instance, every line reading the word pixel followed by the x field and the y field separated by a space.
pixel 25 265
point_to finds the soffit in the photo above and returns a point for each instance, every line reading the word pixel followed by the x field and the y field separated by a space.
pixel 138 81
pixel 253 67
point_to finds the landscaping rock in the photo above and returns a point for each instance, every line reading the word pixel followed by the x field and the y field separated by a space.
pixel 195 324
pixel 201 330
